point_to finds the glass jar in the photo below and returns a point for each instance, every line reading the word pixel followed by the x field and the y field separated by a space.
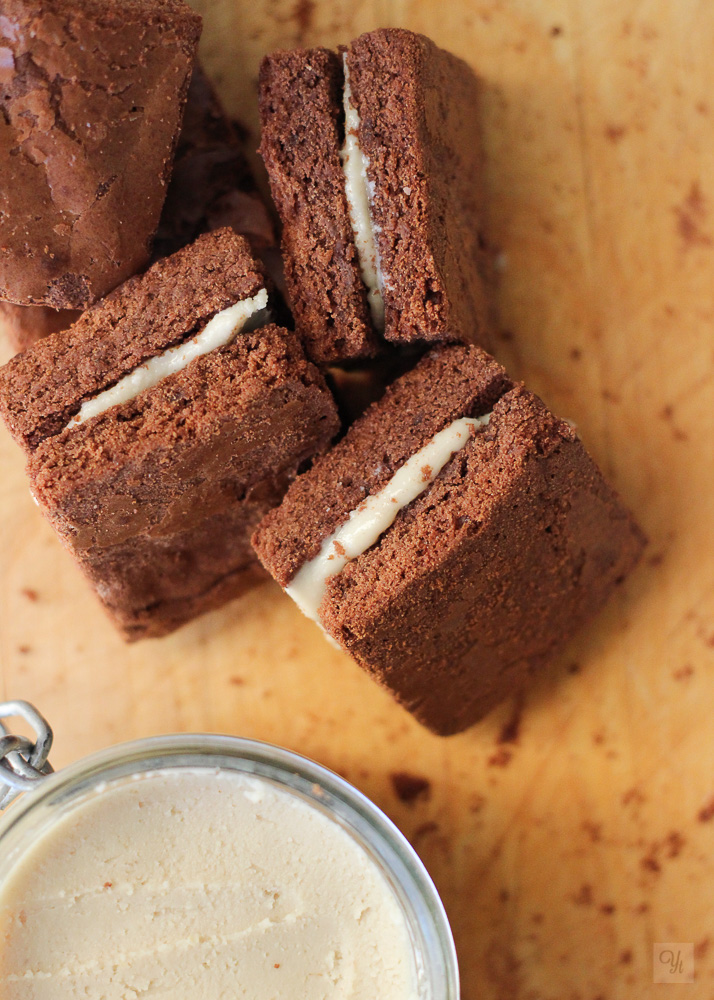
pixel 34 815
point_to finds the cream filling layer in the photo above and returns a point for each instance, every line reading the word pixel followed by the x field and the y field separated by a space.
pixel 218 332
pixel 377 513
pixel 359 190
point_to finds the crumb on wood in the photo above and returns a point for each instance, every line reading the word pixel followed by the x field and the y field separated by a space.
pixel 511 729
pixel 584 895
pixel 615 132
pixel 691 215
pixel 706 813
pixel 501 758
pixel 410 787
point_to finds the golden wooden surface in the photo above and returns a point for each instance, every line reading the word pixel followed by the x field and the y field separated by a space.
pixel 564 853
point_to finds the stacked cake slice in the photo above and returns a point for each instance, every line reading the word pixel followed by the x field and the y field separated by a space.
pixel 375 167
pixel 453 540
pixel 162 426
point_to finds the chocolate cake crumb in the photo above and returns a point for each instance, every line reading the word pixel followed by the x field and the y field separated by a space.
pixel 410 787
pixel 706 813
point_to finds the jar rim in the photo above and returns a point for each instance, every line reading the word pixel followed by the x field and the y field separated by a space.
pixel 333 795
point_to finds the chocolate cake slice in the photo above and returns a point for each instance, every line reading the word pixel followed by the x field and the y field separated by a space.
pixel 453 539
pixel 211 187
pixel 162 426
pixel 374 163
pixel 92 95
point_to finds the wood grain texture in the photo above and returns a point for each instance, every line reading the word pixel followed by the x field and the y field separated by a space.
pixel 569 834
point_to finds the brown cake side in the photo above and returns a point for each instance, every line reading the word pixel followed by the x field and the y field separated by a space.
pixel 157 498
pixel 419 129
pixel 140 583
pixel 300 94
pixel 480 579
pixel 92 93
pixel 42 389
pixel 189 447
pixel 151 585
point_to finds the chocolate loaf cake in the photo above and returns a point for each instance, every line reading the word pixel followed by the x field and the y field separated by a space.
pixel 453 539
pixel 211 187
pixel 374 164
pixel 92 94
pixel 161 427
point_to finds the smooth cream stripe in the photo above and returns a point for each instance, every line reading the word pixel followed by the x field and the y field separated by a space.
pixel 377 512
pixel 218 332
pixel 357 189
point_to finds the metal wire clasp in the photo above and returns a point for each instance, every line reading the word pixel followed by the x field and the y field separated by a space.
pixel 22 762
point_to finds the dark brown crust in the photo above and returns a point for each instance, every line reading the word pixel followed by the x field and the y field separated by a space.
pixel 211 187
pixel 302 133
pixel 517 542
pixel 461 381
pixel 157 499
pixel 418 111
pixel 92 97
pixel 42 389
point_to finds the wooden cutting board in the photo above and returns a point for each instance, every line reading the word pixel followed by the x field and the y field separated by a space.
pixel 569 834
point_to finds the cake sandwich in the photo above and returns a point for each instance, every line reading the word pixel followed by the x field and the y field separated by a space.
pixel 453 539
pixel 162 426
pixel 92 95
pixel 374 165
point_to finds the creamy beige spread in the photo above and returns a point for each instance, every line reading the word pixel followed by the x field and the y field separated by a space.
pixel 359 196
pixel 219 331
pixel 201 884
pixel 377 513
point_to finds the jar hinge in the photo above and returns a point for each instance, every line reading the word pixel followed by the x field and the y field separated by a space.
pixel 22 762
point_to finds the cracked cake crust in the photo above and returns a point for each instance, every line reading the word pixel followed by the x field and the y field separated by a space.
pixel 211 187
pixel 91 99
